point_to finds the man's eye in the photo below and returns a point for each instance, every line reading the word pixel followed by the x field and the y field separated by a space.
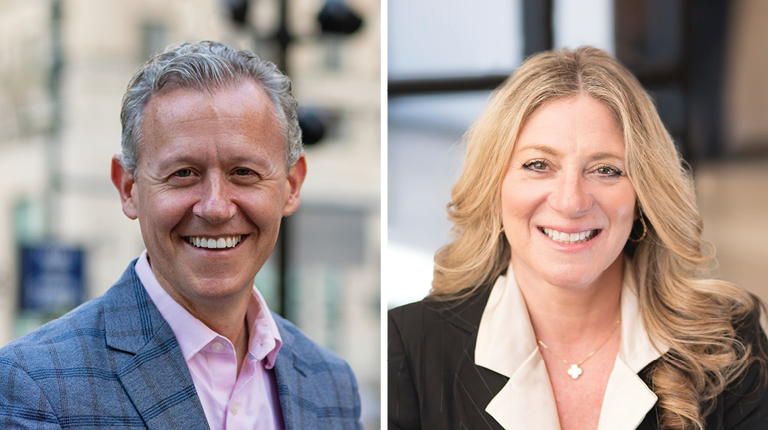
pixel 183 173
pixel 246 173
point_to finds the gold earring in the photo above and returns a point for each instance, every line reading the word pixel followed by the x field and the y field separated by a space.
pixel 645 231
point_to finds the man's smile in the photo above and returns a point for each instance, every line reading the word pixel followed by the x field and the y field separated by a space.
pixel 215 243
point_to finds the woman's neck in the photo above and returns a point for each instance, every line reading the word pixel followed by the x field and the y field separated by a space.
pixel 572 318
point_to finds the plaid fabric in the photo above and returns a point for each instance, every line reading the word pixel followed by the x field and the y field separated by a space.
pixel 115 363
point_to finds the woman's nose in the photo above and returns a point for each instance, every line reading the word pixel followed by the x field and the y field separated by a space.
pixel 570 196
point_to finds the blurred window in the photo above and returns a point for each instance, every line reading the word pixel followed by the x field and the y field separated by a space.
pixel 443 38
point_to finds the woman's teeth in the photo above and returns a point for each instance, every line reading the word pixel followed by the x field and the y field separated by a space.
pixel 566 238
pixel 210 243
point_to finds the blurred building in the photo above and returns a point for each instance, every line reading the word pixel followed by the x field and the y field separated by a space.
pixel 64 66
pixel 704 64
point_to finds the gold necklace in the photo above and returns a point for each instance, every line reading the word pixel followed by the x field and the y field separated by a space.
pixel 574 370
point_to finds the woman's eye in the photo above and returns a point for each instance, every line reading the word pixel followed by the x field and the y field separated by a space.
pixel 536 165
pixel 608 171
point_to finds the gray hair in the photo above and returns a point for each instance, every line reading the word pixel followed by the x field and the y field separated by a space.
pixel 206 66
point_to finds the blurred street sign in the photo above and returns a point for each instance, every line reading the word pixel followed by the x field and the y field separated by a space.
pixel 51 277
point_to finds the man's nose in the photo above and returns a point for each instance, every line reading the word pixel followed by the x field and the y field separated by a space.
pixel 570 196
pixel 215 205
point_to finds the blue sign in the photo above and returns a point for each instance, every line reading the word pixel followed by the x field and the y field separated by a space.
pixel 51 278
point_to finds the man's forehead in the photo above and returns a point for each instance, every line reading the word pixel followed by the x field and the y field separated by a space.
pixel 170 108
pixel 243 94
pixel 182 113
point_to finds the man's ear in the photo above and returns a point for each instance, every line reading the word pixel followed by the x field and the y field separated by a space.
pixel 125 184
pixel 296 176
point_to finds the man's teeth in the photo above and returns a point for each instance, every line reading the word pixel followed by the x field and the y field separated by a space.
pixel 210 243
pixel 566 238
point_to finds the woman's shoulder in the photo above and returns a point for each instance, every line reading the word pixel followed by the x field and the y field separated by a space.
pixel 745 400
pixel 750 329
pixel 743 404
pixel 462 310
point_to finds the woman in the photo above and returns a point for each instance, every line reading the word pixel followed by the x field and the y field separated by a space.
pixel 573 295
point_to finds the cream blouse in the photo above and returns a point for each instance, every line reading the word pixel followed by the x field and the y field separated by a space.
pixel 507 345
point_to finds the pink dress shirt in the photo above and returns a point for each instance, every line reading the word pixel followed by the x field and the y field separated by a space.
pixel 247 401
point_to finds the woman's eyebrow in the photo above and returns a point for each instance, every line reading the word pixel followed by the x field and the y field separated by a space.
pixel 541 148
pixel 602 155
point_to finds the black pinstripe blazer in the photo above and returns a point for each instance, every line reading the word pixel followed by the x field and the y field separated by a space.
pixel 434 382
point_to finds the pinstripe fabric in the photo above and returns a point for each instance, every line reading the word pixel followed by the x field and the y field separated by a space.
pixel 317 389
pixel 115 363
pixel 434 382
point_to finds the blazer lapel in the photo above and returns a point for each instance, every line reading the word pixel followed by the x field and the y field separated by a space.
pixel 291 378
pixel 152 370
pixel 287 377
pixel 473 386
pixel 311 389
pixel 294 387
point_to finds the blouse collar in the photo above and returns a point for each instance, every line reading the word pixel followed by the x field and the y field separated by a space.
pixel 506 344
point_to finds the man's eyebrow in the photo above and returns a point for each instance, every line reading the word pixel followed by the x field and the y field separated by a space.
pixel 180 160
pixel 188 159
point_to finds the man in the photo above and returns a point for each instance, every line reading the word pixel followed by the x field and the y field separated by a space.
pixel 211 162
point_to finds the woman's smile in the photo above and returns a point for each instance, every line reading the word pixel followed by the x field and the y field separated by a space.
pixel 570 238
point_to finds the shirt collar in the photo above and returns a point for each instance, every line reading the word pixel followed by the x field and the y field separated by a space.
pixel 193 335
pixel 506 344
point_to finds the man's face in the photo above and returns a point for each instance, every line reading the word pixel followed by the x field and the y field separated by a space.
pixel 210 190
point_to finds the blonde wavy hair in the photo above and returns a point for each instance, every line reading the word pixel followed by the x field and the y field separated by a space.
pixel 680 306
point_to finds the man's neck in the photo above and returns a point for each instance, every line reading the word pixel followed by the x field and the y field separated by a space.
pixel 226 317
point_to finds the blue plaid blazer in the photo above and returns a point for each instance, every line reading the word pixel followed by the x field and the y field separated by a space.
pixel 115 363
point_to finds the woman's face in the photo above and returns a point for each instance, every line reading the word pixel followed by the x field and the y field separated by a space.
pixel 567 203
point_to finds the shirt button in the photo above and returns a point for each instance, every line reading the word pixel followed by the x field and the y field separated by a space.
pixel 217 347
pixel 235 409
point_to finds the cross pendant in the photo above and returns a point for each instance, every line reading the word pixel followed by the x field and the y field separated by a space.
pixel 575 371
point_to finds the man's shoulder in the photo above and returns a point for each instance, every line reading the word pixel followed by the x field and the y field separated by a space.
pixel 85 321
pixel 81 331
pixel 42 371
pixel 319 385
pixel 305 349
pixel 95 365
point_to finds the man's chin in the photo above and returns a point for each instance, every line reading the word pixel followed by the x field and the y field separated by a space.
pixel 220 288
